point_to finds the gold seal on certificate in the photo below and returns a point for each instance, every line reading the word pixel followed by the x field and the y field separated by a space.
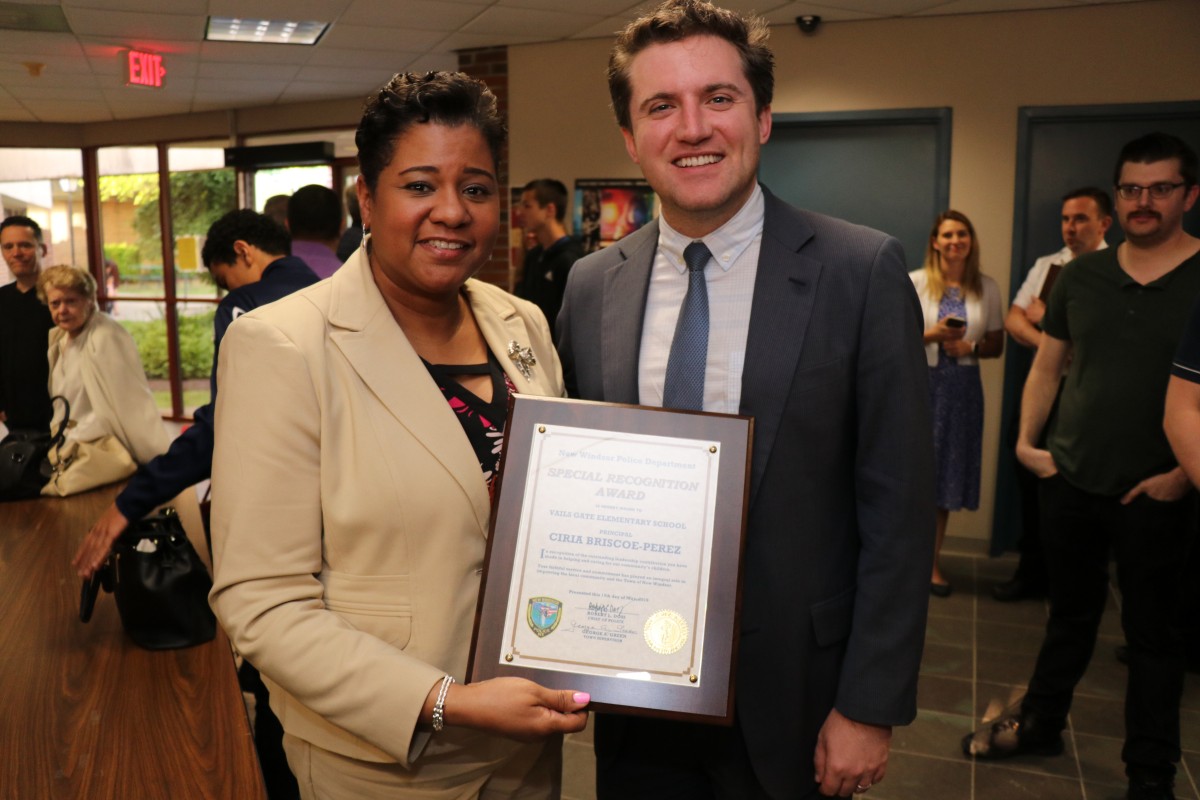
pixel 666 632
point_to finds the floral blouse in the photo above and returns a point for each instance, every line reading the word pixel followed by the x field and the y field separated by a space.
pixel 483 423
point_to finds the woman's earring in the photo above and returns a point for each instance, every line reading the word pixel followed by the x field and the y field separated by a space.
pixel 366 240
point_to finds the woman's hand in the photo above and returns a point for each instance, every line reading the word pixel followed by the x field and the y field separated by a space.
pixel 99 541
pixel 512 707
pixel 957 348
pixel 941 332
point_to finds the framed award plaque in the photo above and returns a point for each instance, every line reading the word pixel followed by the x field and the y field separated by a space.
pixel 613 564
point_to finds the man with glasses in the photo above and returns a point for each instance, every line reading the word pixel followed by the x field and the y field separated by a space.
pixel 1110 482
pixel 1086 217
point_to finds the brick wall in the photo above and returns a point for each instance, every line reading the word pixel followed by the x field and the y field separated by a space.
pixel 490 65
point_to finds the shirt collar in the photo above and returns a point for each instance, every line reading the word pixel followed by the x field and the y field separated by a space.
pixel 726 243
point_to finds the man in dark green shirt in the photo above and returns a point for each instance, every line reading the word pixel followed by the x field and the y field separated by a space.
pixel 1109 480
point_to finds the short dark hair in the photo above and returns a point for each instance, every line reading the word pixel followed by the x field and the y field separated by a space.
pixel 547 191
pixel 676 20
pixel 314 212
pixel 1158 146
pixel 1102 198
pixel 25 222
pixel 444 98
pixel 249 226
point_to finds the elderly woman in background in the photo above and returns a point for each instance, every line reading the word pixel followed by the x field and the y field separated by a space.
pixel 94 364
pixel 963 323
pixel 358 439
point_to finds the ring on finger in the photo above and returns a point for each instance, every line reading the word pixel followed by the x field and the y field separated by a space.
pixel 860 789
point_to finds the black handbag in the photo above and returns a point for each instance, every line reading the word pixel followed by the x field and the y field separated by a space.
pixel 160 584
pixel 24 468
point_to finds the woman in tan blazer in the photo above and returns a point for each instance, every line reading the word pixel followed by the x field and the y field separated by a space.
pixel 357 433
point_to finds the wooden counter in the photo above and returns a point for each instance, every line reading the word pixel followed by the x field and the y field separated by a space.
pixel 86 713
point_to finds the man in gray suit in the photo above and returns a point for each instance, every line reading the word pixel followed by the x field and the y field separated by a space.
pixel 810 325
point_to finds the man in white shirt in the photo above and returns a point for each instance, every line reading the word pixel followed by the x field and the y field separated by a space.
pixel 1086 217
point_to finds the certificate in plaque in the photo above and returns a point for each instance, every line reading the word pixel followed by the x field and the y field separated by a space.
pixel 613 562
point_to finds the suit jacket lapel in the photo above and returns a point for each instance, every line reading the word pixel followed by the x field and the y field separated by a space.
pixel 364 331
pixel 784 290
pixel 624 310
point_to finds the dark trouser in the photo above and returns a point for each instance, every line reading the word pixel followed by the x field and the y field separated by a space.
pixel 1151 542
pixel 268 739
pixel 666 760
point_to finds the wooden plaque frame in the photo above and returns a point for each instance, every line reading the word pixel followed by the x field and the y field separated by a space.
pixel 711 700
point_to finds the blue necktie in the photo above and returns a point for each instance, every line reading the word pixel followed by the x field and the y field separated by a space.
pixel 684 385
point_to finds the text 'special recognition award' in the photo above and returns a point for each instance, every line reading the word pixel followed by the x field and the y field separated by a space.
pixel 613 562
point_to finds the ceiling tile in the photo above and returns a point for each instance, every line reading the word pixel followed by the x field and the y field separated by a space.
pixel 296 10
pixel 603 7
pixel 365 59
pixel 250 52
pixel 57 93
pixel 786 15
pixel 141 6
pixel 142 24
pixel 350 76
pixel 604 29
pixel 107 45
pixel 547 25
pixel 160 109
pixel 467 41
pixel 233 69
pixel 356 37
pixel 427 15
pixel 298 91
pixel 73 112
pixel 37 43
pixel 230 86
pixel 980 6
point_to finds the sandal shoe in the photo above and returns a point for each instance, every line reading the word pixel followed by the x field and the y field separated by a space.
pixel 1002 739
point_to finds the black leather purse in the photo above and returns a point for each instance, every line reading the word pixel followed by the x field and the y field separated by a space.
pixel 24 468
pixel 160 584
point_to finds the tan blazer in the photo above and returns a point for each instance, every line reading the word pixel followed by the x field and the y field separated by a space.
pixel 116 385
pixel 350 516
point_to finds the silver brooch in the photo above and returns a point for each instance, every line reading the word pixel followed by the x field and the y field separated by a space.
pixel 523 357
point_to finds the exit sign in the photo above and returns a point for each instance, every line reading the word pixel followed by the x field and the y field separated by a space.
pixel 144 69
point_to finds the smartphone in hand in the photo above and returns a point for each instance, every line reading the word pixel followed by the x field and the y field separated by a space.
pixel 955 322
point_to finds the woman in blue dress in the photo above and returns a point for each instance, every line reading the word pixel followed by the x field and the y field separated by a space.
pixel 963 323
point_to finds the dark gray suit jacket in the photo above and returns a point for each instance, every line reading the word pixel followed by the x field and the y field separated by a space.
pixel 841 526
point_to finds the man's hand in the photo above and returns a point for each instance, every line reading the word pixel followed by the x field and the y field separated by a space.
pixel 1036 460
pixel 99 541
pixel 851 756
pixel 1035 311
pixel 1165 488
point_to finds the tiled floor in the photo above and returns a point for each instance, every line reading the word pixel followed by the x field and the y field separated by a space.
pixel 978 655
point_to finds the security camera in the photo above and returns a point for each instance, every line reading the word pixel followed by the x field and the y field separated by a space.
pixel 808 22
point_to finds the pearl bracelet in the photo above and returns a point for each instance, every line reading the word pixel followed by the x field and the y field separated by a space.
pixel 439 706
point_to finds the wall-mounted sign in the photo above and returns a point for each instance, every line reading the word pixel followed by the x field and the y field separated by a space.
pixel 144 69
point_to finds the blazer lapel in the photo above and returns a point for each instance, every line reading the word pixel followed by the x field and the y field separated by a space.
pixel 624 311
pixel 500 324
pixel 367 335
pixel 784 290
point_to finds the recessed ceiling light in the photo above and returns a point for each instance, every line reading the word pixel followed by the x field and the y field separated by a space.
pixel 231 29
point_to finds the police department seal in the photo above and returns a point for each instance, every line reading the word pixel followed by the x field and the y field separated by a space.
pixel 666 632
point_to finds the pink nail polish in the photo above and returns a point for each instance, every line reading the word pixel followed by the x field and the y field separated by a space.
pixel 581 697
